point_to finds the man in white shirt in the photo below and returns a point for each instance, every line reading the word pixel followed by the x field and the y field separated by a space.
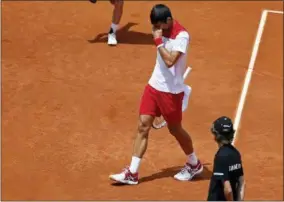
pixel 164 96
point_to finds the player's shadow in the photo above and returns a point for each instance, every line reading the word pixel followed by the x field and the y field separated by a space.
pixel 126 36
pixel 170 172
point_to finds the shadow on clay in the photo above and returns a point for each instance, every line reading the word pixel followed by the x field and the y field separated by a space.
pixel 126 36
pixel 170 172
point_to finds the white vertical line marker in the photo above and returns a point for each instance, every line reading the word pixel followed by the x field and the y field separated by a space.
pixel 249 73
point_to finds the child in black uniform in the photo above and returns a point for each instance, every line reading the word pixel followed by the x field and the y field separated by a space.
pixel 227 181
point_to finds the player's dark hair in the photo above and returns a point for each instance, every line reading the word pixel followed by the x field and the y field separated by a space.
pixel 224 140
pixel 224 137
pixel 160 13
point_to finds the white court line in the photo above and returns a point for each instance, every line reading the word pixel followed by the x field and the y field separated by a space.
pixel 249 73
pixel 274 11
pixel 250 69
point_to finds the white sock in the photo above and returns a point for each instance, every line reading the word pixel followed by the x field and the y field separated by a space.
pixel 135 163
pixel 114 27
pixel 192 159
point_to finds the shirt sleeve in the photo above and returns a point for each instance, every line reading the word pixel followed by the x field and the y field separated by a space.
pixel 181 42
pixel 221 168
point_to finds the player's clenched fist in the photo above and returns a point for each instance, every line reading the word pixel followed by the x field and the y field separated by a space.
pixel 157 33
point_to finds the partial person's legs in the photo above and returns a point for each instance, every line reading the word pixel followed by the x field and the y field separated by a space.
pixel 116 17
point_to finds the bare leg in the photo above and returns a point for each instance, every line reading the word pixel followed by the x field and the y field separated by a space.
pixel 130 175
pixel 193 166
pixel 141 140
pixel 117 12
pixel 182 137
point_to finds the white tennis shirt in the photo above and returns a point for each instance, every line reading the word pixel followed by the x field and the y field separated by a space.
pixel 166 79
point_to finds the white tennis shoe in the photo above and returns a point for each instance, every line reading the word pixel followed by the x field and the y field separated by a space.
pixel 125 177
pixel 188 172
pixel 112 39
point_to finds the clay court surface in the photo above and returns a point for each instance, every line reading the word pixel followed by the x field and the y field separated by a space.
pixel 70 102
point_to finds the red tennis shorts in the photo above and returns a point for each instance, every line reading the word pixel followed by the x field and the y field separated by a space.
pixel 157 103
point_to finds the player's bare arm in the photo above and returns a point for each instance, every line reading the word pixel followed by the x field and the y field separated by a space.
pixel 170 58
pixel 228 191
pixel 241 189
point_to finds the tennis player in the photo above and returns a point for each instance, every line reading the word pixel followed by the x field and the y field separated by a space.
pixel 164 96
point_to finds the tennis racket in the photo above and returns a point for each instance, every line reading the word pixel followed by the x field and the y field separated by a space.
pixel 159 122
